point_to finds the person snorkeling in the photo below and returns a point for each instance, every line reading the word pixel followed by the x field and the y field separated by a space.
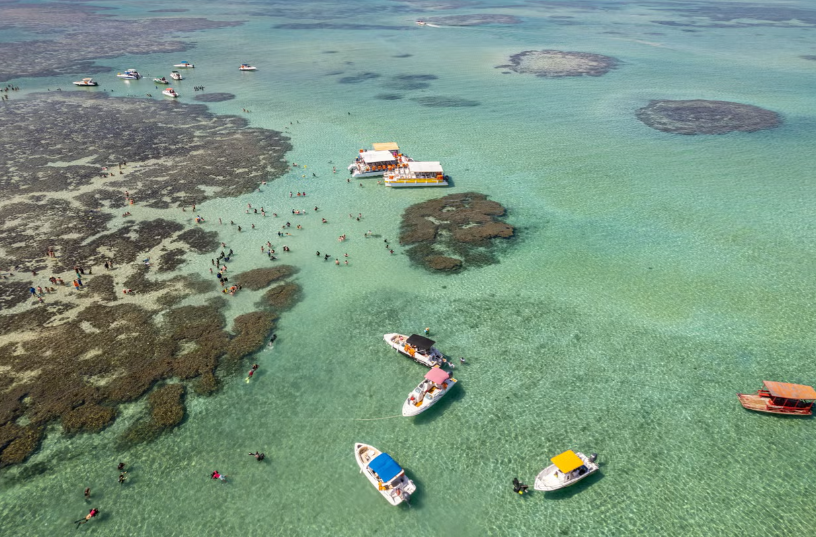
pixel 217 475
pixel 92 513
pixel 518 486
pixel 258 456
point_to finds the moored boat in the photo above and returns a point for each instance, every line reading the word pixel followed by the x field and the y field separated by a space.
pixel 129 74
pixel 781 398
pixel 86 82
pixel 384 473
pixel 566 469
pixel 417 348
pixel 247 67
pixel 421 23
pixel 415 174
pixel 185 65
pixel 175 75
pixel 161 80
pixel 382 159
pixel 429 392
pixel 170 92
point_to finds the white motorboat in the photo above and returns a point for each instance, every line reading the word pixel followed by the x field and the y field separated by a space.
pixel 129 74
pixel 86 82
pixel 170 92
pixel 566 469
pixel 185 65
pixel 430 390
pixel 384 473
pixel 383 159
pixel 421 23
pixel 414 174
pixel 417 348
pixel 175 75
pixel 247 67
pixel 161 80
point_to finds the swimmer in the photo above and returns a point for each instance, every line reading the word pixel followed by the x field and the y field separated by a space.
pixel 93 512
pixel 462 359
pixel 122 478
pixel 217 475
pixel 518 486
pixel 258 456
pixel 121 466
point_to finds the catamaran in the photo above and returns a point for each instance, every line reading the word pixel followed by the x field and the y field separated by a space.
pixel 412 174
pixel 417 348
pixel 430 390
pixel 378 161
pixel 566 469
pixel 781 398
pixel 384 473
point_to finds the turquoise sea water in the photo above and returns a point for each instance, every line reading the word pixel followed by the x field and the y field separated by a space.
pixel 653 277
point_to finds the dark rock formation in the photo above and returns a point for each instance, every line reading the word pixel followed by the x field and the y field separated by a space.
pixel 559 63
pixel 445 102
pixel 706 117
pixel 259 278
pixel 454 232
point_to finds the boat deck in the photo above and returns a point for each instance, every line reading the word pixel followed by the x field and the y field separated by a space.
pixel 762 404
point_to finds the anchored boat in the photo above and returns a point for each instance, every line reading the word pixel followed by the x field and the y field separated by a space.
pixel 566 469
pixel 185 65
pixel 384 473
pixel 170 92
pixel 161 80
pixel 417 348
pixel 378 161
pixel 247 67
pixel 781 398
pixel 175 75
pixel 129 74
pixel 430 390
pixel 411 174
pixel 86 82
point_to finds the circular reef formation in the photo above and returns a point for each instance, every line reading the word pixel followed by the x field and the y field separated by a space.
pixel 706 117
pixel 559 63
pixel 454 232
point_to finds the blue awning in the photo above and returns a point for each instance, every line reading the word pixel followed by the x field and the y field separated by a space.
pixel 386 467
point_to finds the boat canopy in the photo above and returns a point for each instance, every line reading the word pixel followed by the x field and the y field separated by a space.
pixel 437 375
pixel 567 461
pixel 386 467
pixel 386 146
pixel 370 157
pixel 421 343
pixel 425 167
pixel 790 391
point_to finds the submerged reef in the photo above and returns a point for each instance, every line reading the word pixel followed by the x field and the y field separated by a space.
pixel 439 101
pixel 474 20
pixel 70 164
pixel 559 63
pixel 213 97
pixel 706 117
pixel 454 232
pixel 77 36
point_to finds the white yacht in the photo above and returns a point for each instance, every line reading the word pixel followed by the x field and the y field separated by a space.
pixel 383 159
pixel 417 348
pixel 384 473
pixel 175 75
pixel 86 82
pixel 185 65
pixel 170 92
pixel 566 469
pixel 247 67
pixel 161 80
pixel 415 174
pixel 129 74
pixel 430 390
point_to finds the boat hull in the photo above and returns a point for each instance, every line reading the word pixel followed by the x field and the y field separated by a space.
pixel 414 183
pixel 761 404
pixel 81 84
pixel 547 480
pixel 410 408
pixel 428 361
pixel 364 454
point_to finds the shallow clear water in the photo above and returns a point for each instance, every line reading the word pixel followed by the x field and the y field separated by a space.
pixel 653 277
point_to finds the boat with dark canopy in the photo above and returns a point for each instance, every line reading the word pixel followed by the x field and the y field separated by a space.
pixel 417 348
pixel 781 398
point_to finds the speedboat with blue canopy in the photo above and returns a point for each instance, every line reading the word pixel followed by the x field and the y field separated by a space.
pixel 384 473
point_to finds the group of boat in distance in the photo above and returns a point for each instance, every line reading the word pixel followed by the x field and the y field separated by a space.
pixel 397 169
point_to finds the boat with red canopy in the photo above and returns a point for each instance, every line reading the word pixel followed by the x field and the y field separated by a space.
pixel 430 390
pixel 781 398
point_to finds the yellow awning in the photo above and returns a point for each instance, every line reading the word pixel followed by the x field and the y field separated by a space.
pixel 387 146
pixel 567 461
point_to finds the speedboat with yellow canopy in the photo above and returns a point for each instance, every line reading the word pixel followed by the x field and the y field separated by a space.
pixel 566 469
pixel 429 392
pixel 781 398
pixel 384 473
pixel 417 348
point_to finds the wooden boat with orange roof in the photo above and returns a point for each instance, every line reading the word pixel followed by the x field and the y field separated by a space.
pixel 781 398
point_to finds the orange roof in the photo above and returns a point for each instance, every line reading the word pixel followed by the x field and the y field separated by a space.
pixel 567 461
pixel 790 391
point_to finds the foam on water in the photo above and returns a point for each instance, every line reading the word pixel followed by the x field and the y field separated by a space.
pixel 653 277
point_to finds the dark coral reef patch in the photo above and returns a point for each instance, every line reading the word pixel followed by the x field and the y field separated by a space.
pixel 214 97
pixel 474 20
pixel 454 232
pixel 706 117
